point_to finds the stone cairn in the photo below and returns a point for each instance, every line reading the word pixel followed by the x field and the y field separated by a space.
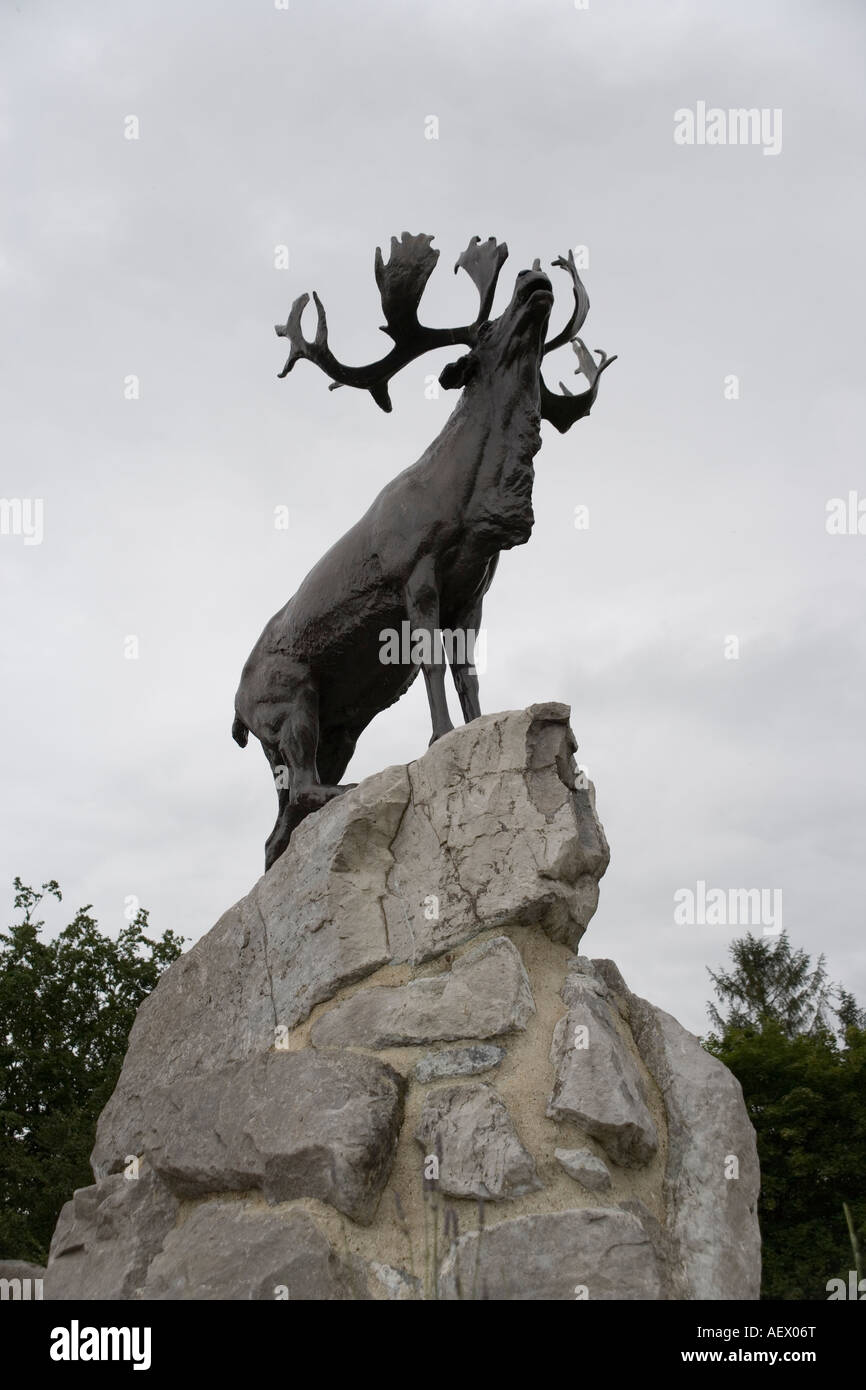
pixel 386 1073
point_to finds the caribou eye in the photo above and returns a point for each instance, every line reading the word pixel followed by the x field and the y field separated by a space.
pixel 455 376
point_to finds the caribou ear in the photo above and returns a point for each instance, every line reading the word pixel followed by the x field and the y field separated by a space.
pixel 456 374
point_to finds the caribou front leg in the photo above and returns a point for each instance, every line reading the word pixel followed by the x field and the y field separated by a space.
pixel 463 670
pixel 422 607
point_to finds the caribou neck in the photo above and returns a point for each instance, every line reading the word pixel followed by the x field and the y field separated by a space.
pixel 487 447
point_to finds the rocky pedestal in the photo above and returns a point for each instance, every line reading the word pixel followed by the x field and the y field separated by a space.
pixel 386 1073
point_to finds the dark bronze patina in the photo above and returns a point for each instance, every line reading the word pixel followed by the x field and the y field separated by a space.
pixel 426 551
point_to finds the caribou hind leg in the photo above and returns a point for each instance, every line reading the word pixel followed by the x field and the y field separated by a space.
pixel 288 820
pixel 298 742
pixel 288 816
pixel 305 772
pixel 335 752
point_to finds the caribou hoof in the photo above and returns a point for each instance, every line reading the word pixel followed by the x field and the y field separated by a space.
pixel 314 798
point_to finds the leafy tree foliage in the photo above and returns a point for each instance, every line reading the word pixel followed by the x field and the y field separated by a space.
pixel 798 1047
pixel 66 1008
pixel 772 983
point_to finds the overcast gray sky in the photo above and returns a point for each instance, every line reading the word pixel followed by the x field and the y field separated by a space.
pixel 306 127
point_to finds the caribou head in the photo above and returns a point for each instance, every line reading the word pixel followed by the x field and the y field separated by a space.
pixel 495 344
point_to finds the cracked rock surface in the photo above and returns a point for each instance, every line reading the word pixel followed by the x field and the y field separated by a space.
pixel 297 1115
pixel 486 993
pixel 597 1079
pixel 107 1235
pixel 290 1124
pixel 235 1250
pixel 594 1253
pixel 482 1155
pixel 485 830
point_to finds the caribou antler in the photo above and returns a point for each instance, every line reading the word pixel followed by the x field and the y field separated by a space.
pixel 581 305
pixel 562 411
pixel 401 284
pixel 482 263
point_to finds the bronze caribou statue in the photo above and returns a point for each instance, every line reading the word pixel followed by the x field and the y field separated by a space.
pixel 426 551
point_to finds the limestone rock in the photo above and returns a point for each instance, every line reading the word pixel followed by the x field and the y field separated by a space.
pixel 273 1157
pixel 484 994
pixel 291 1124
pixel 585 1167
pixel 107 1235
pixel 458 1061
pixel 489 828
pixel 480 1154
pixel 597 1083
pixel 235 1250
pixel 712 1215
pixel 320 903
pixel 498 832
pixel 665 1246
pixel 212 1006
pixel 599 1253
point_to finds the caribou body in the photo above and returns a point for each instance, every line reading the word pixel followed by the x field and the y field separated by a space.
pixel 426 550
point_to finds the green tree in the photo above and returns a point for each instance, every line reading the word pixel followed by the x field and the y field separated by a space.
pixel 798 1047
pixel 772 983
pixel 66 1009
